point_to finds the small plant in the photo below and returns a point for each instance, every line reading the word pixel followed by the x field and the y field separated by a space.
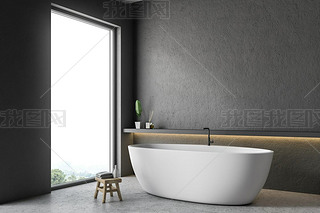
pixel 138 108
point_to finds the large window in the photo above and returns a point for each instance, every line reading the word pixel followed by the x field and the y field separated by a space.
pixel 80 85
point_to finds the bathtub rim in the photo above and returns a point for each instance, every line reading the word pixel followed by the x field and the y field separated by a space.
pixel 258 151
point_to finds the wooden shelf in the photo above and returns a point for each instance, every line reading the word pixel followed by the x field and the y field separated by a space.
pixel 224 132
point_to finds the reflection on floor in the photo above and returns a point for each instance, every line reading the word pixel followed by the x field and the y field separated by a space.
pixel 80 199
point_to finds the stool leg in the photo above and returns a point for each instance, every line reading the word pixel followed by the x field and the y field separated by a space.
pixel 104 193
pixel 111 192
pixel 118 191
pixel 96 192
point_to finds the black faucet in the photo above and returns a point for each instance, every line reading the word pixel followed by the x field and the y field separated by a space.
pixel 209 141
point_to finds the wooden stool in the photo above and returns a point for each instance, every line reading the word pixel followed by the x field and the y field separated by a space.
pixel 107 187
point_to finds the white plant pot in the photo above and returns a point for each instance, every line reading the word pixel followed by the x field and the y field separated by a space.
pixel 148 124
pixel 137 123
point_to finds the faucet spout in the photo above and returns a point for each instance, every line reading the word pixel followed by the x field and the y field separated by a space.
pixel 209 141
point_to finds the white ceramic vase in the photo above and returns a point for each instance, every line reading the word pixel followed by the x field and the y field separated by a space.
pixel 137 123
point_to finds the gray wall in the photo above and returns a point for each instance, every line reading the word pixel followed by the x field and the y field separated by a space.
pixel 24 76
pixel 214 55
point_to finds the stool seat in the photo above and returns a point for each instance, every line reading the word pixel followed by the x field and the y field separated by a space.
pixel 108 188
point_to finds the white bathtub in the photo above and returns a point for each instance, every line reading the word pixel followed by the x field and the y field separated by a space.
pixel 205 174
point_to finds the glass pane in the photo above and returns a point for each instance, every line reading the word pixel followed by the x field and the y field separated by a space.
pixel 80 72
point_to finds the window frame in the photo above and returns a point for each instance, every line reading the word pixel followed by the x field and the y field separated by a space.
pixel 114 80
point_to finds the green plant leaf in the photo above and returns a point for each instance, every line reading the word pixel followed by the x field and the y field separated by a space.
pixel 138 108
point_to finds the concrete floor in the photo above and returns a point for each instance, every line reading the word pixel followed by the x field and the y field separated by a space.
pixel 80 199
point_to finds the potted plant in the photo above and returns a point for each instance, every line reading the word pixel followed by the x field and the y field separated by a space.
pixel 138 113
